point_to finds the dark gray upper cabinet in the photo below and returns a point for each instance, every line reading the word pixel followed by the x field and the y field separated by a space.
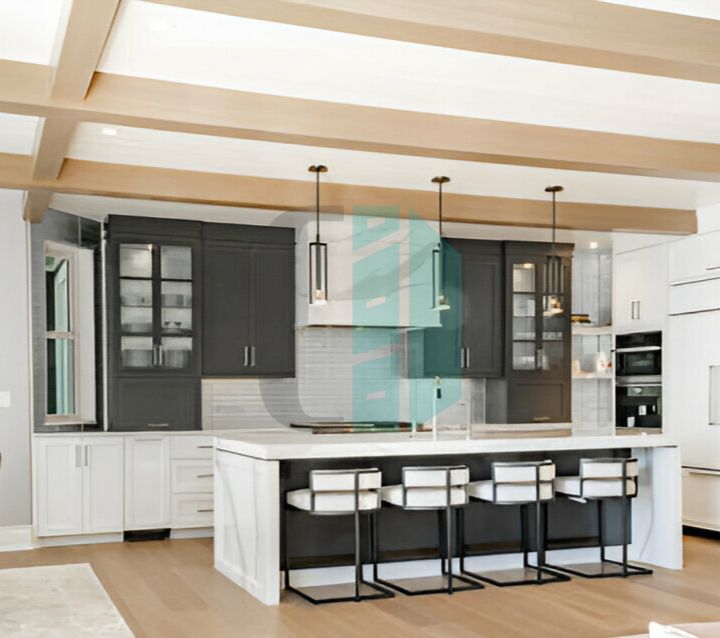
pixel 153 286
pixel 248 301
pixel 538 347
pixel 470 341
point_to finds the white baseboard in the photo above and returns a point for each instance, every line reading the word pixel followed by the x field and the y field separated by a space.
pixel 16 538
pixel 79 539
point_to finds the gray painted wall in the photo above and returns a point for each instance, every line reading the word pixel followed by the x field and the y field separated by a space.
pixel 15 494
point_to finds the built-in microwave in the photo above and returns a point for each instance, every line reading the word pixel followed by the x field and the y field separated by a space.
pixel 638 355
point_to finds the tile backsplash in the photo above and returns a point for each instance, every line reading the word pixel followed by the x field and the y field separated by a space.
pixel 344 374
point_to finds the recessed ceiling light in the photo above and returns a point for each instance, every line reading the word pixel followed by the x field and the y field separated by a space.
pixel 109 131
pixel 593 245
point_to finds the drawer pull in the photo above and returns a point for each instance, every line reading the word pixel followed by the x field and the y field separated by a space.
pixel 204 447
pixel 541 419
pixel 205 511
pixel 204 476
pixel 158 425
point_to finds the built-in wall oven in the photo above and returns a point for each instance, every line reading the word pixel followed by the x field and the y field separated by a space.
pixel 638 380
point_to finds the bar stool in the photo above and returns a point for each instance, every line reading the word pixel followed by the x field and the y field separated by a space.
pixel 431 488
pixel 340 493
pixel 601 480
pixel 522 483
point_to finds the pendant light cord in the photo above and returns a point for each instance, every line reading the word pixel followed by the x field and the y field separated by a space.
pixel 317 206
pixel 554 223
pixel 440 231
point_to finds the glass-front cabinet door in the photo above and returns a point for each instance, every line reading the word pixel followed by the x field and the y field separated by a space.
pixel 540 320
pixel 156 330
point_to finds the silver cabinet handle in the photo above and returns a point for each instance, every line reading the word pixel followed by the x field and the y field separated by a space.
pixel 204 511
pixel 252 356
pixel 78 456
pixel 148 440
pixel 462 358
pixel 158 425
pixel 154 355
pixel 87 456
pixel 541 419
pixel 161 355
pixel 700 470
pixel 204 476
pixel 467 357
pixel 638 309
pixel 632 310
pixel 204 447
pixel 246 356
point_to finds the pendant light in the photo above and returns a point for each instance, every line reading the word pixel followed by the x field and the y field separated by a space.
pixel 440 301
pixel 554 278
pixel 318 249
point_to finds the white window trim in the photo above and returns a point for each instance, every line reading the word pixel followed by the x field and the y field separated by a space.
pixel 82 333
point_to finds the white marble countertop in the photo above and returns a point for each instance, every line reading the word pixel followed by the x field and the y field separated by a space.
pixel 300 444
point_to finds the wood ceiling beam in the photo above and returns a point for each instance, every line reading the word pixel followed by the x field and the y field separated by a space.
pixel 577 32
pixel 185 108
pixel 139 182
pixel 78 51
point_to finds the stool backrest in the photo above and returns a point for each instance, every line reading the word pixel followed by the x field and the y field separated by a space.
pixel 517 476
pixel 436 476
pixel 345 480
pixel 453 478
pixel 610 469
pixel 523 472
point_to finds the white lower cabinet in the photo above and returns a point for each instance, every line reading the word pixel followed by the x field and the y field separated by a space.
pixel 147 482
pixel 701 498
pixel 191 482
pixel 79 485
pixel 106 484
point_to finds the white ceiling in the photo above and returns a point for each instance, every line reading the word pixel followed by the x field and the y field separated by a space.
pixel 699 8
pixel 17 133
pixel 288 161
pixel 28 29
pixel 169 43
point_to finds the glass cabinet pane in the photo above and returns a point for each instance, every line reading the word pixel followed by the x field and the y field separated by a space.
pixel 552 355
pixel 136 260
pixel 524 355
pixel 175 352
pixel 176 303
pixel 136 352
pixel 523 305
pixel 524 277
pixel 176 262
pixel 136 313
pixel 524 328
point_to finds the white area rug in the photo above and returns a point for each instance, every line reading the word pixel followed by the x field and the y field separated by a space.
pixel 58 601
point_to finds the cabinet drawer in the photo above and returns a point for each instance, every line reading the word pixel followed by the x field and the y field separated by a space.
pixel 701 498
pixel 191 447
pixel 189 477
pixel 192 510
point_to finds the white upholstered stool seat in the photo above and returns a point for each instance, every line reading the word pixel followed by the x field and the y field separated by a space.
pixel 510 492
pixel 596 488
pixel 332 501
pixel 423 497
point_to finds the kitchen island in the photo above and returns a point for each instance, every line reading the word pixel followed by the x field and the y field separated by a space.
pixel 253 470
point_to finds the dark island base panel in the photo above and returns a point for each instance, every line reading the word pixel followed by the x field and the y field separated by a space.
pixel 322 541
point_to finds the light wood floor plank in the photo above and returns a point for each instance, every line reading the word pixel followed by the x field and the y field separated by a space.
pixel 169 589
